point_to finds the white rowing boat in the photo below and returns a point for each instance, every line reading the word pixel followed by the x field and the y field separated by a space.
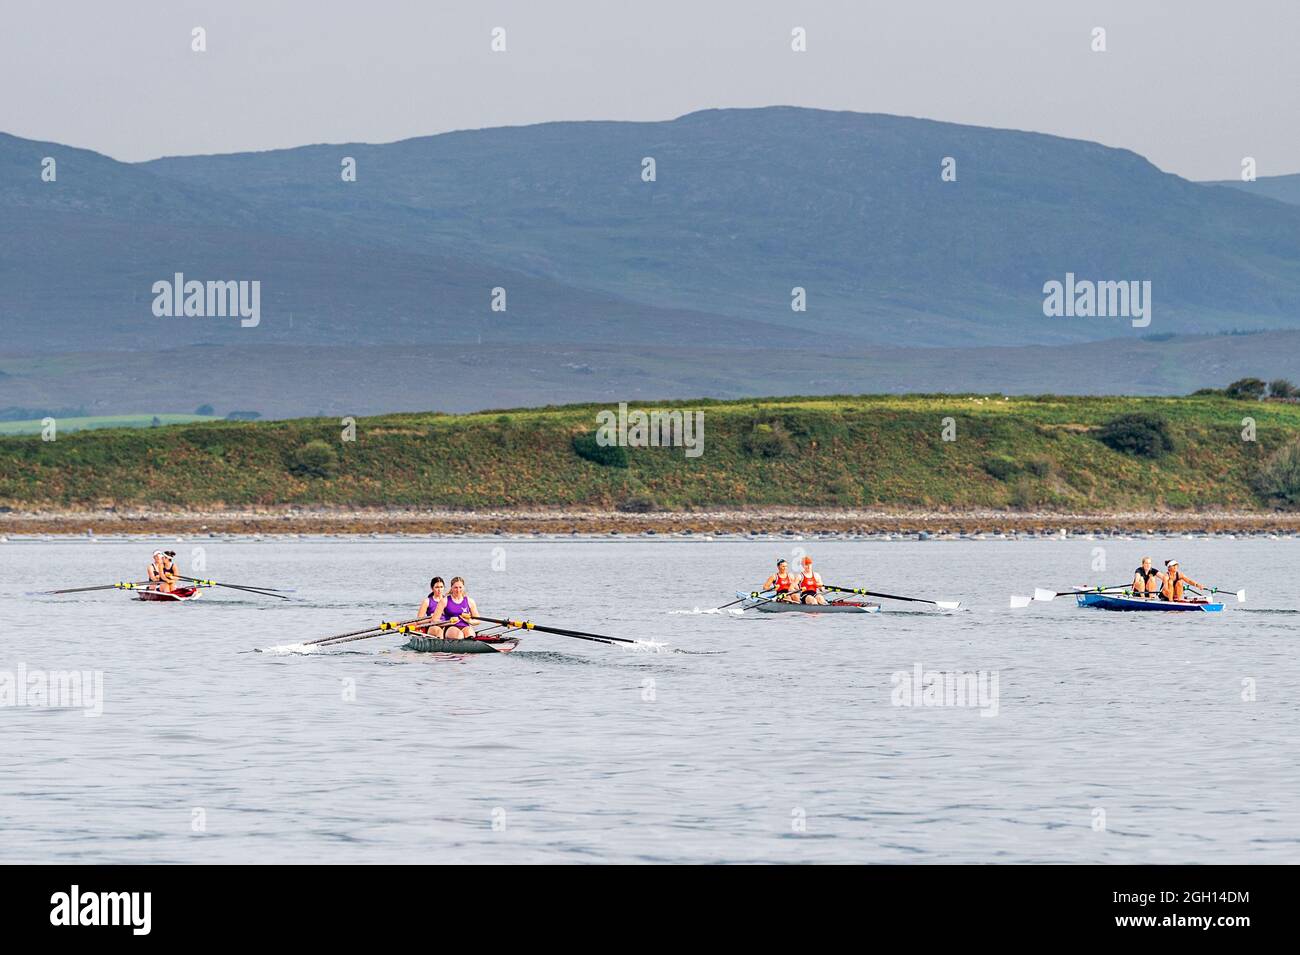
pixel 764 605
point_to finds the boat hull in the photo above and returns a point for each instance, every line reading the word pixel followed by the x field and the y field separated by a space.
pixel 1123 602
pixel 470 645
pixel 835 606
pixel 160 596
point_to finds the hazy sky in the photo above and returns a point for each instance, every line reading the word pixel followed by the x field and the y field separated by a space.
pixel 1192 85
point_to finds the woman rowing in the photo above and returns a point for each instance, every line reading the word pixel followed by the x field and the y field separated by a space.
pixel 437 591
pixel 810 584
pixel 162 571
pixel 781 583
pixel 454 614
pixel 1175 581
pixel 1147 580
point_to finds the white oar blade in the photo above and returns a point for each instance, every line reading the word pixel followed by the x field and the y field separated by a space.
pixel 1018 602
pixel 1042 595
pixel 947 604
pixel 1241 596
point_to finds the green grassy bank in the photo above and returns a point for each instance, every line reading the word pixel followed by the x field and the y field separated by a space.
pixel 867 451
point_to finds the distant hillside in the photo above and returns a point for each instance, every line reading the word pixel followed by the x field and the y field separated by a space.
pixel 283 381
pixel 1282 188
pixel 1020 453
pixel 65 425
pixel 747 204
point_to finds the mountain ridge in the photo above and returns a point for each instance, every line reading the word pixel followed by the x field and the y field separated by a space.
pixel 748 204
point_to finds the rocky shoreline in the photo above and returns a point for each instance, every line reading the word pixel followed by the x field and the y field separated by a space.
pixel 315 521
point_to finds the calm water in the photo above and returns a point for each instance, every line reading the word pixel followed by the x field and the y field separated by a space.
pixel 752 738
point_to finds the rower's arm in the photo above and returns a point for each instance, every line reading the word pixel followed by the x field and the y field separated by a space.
pixel 473 609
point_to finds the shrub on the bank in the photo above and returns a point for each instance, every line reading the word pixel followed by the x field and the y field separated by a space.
pixel 845 489
pixel 1278 479
pixel 315 459
pixel 1139 434
pixel 1001 467
pixel 639 503
pixel 1246 389
pixel 1040 465
pixel 1282 388
pixel 769 440
pixel 588 448
pixel 1027 492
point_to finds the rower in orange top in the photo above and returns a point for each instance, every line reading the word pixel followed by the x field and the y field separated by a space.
pixel 810 584
pixel 1175 581
pixel 162 572
pixel 782 583
pixel 456 611
pixel 1147 580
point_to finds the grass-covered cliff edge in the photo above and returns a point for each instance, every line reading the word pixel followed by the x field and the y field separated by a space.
pixel 1038 454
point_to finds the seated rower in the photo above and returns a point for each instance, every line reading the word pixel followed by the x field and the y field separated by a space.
pixel 781 582
pixel 162 573
pixel 456 612
pixel 1175 581
pixel 1147 580
pixel 437 591
pixel 810 584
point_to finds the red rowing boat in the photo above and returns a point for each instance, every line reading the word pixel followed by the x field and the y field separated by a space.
pixel 180 593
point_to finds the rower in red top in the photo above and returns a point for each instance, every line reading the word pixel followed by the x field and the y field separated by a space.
pixel 810 584
pixel 781 583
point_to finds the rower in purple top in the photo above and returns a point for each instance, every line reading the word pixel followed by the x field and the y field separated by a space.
pixel 455 613
pixel 437 591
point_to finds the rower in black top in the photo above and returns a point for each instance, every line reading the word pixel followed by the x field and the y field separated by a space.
pixel 1147 580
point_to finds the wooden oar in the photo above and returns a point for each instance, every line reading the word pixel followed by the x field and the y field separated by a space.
pixel 579 634
pixel 941 604
pixel 217 583
pixel 121 585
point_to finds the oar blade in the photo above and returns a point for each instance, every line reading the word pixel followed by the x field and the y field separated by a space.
pixel 1241 596
pixel 1044 596
pixel 948 604
pixel 1019 603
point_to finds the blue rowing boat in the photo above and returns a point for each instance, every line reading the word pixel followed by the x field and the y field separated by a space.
pixel 1129 602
